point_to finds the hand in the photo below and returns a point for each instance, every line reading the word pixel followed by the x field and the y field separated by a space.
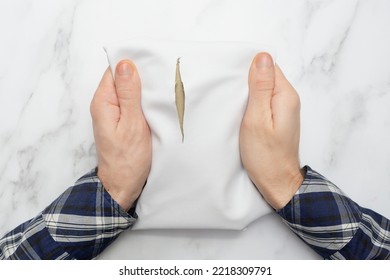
pixel 269 135
pixel 122 135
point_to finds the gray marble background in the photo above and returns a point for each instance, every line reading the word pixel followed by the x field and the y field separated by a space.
pixel 336 54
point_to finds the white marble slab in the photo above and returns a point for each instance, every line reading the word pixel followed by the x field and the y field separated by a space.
pixel 336 53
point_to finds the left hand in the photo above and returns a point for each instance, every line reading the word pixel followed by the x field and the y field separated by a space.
pixel 122 135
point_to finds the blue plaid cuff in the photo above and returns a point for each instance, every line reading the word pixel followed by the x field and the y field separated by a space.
pixel 330 222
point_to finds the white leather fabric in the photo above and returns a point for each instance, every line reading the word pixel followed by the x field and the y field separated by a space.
pixel 198 183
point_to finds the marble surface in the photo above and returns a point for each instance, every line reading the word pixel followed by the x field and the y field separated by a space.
pixel 51 59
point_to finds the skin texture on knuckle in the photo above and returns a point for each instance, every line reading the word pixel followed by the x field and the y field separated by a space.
pixel 262 84
pixel 128 88
pixel 124 91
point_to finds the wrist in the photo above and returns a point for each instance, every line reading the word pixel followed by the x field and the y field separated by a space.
pixel 279 192
pixel 118 188
pixel 292 186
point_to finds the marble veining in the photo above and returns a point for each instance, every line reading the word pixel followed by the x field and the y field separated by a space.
pixel 335 53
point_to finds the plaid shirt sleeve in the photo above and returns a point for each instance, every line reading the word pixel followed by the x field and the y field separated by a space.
pixel 79 224
pixel 334 225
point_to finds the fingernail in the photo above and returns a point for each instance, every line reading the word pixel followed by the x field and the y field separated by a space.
pixel 124 69
pixel 264 60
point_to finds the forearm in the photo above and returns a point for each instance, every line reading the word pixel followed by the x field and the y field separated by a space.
pixel 79 224
pixel 333 225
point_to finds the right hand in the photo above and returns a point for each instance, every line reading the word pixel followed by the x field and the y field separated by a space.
pixel 122 135
pixel 269 136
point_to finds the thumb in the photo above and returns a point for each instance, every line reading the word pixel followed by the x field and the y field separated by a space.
pixel 261 86
pixel 128 88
